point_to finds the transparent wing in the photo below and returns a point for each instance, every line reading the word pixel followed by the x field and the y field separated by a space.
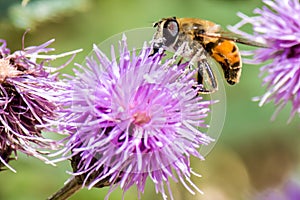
pixel 227 35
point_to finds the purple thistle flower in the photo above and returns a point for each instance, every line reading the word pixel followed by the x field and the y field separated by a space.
pixel 133 119
pixel 278 25
pixel 29 98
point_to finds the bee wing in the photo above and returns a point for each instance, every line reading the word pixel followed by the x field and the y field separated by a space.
pixel 227 35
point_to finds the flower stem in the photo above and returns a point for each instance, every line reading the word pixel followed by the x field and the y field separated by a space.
pixel 67 190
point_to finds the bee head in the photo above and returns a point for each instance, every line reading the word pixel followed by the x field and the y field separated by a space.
pixel 166 33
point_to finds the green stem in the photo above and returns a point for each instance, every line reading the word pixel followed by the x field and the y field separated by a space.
pixel 67 190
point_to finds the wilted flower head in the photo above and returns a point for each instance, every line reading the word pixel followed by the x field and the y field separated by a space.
pixel 28 99
pixel 136 119
pixel 278 25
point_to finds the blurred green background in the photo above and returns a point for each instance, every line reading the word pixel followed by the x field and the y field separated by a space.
pixel 253 153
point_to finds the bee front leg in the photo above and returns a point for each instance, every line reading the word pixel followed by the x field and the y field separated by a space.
pixel 198 56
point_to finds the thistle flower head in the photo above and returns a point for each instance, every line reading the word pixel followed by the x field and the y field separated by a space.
pixel 28 100
pixel 133 117
pixel 278 25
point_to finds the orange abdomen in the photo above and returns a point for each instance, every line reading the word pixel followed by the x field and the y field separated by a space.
pixel 227 54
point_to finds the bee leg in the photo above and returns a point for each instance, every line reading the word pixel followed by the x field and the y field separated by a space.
pixel 179 52
pixel 155 50
pixel 206 75
pixel 180 61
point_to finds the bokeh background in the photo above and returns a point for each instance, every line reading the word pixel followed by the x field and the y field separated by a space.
pixel 252 154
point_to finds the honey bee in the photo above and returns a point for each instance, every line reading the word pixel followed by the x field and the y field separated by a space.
pixel 198 40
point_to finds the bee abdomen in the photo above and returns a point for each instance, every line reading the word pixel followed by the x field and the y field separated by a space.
pixel 226 53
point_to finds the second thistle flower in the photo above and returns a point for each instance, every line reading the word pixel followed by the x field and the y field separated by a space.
pixel 29 99
pixel 277 24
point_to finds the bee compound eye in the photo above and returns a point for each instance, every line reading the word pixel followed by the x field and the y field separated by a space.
pixel 172 27
pixel 170 31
